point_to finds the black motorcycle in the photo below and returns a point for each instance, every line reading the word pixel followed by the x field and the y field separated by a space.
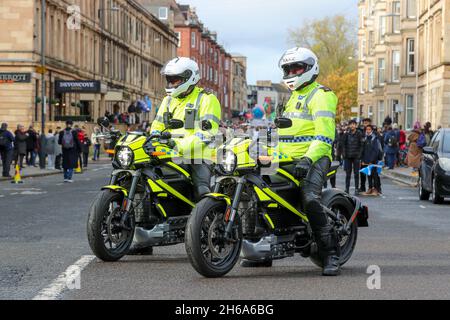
pixel 260 216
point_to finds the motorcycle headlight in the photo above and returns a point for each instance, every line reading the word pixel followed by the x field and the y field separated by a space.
pixel 229 162
pixel 444 164
pixel 125 157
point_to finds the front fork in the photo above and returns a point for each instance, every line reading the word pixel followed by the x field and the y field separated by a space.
pixel 231 213
pixel 128 200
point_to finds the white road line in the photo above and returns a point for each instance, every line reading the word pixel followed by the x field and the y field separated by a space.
pixel 54 290
pixel 423 207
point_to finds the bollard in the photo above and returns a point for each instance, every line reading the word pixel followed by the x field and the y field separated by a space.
pixel 17 178
pixel 78 169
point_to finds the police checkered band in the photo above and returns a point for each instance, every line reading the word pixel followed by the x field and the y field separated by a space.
pixel 324 139
pixel 298 139
pixel 307 139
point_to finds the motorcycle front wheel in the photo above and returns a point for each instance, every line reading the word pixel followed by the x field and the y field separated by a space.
pixel 107 239
pixel 209 251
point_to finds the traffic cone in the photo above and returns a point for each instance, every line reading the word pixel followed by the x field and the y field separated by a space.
pixel 17 178
pixel 78 169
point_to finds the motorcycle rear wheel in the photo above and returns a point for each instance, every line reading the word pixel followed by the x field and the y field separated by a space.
pixel 107 241
pixel 208 251
pixel 347 243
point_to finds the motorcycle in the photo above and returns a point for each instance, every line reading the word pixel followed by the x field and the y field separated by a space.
pixel 147 201
pixel 260 216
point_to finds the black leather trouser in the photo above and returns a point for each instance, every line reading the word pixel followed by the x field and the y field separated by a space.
pixel 311 193
pixel 201 178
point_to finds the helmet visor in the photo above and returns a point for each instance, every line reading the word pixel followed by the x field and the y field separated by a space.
pixel 295 69
pixel 173 81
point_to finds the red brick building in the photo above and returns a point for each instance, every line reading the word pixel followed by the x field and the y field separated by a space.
pixel 199 44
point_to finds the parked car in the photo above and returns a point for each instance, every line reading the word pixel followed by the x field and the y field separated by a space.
pixel 434 174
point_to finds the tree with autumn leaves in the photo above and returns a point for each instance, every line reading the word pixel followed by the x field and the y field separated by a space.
pixel 334 41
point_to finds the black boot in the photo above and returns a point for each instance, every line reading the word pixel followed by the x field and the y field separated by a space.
pixel 329 250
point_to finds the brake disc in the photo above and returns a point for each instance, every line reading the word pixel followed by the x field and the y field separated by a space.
pixel 115 233
pixel 216 239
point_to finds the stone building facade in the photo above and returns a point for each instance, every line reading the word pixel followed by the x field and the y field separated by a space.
pixel 99 54
pixel 404 49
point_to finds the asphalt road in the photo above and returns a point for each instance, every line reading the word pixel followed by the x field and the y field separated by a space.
pixel 43 232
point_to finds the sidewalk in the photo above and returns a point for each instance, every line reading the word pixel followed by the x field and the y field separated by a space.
pixel 403 175
pixel 33 172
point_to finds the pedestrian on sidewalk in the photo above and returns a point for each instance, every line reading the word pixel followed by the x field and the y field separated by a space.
pixel 58 150
pixel 132 113
pixel 352 150
pixel 95 139
pixel 20 145
pixel 85 146
pixel 80 135
pixel 391 148
pixel 428 132
pixel 50 149
pixel 32 146
pixel 414 157
pixel 6 149
pixel 362 177
pixel 68 139
pixel 371 154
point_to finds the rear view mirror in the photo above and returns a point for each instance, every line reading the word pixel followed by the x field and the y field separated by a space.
pixel 429 150
pixel 176 124
pixel 103 122
pixel 283 123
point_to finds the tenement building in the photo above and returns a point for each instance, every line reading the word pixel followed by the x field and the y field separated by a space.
pixel 200 44
pixel 404 63
pixel 101 56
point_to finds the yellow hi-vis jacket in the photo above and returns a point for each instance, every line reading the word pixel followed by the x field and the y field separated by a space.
pixel 191 143
pixel 313 113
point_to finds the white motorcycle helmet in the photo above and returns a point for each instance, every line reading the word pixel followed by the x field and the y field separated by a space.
pixel 181 74
pixel 300 68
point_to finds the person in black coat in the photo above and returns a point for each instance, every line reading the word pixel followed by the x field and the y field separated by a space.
pixel 20 145
pixel 372 153
pixel 71 148
pixel 32 146
pixel 6 149
pixel 352 150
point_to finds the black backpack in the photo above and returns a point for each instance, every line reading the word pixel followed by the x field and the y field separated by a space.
pixel 3 140
pixel 392 142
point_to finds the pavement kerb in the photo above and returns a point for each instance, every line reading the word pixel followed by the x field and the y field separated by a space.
pixel 39 174
pixel 400 177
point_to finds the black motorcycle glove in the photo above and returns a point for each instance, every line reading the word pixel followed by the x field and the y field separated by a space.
pixel 302 168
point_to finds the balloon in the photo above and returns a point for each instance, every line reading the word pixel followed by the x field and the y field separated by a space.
pixel 258 112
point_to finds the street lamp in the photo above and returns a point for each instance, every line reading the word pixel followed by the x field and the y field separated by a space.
pixel 43 40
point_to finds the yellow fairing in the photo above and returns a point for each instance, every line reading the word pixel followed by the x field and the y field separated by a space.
pixel 116 189
pixel 135 142
pixel 240 147
pixel 284 203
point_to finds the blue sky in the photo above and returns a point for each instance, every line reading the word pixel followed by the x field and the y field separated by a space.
pixel 258 29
